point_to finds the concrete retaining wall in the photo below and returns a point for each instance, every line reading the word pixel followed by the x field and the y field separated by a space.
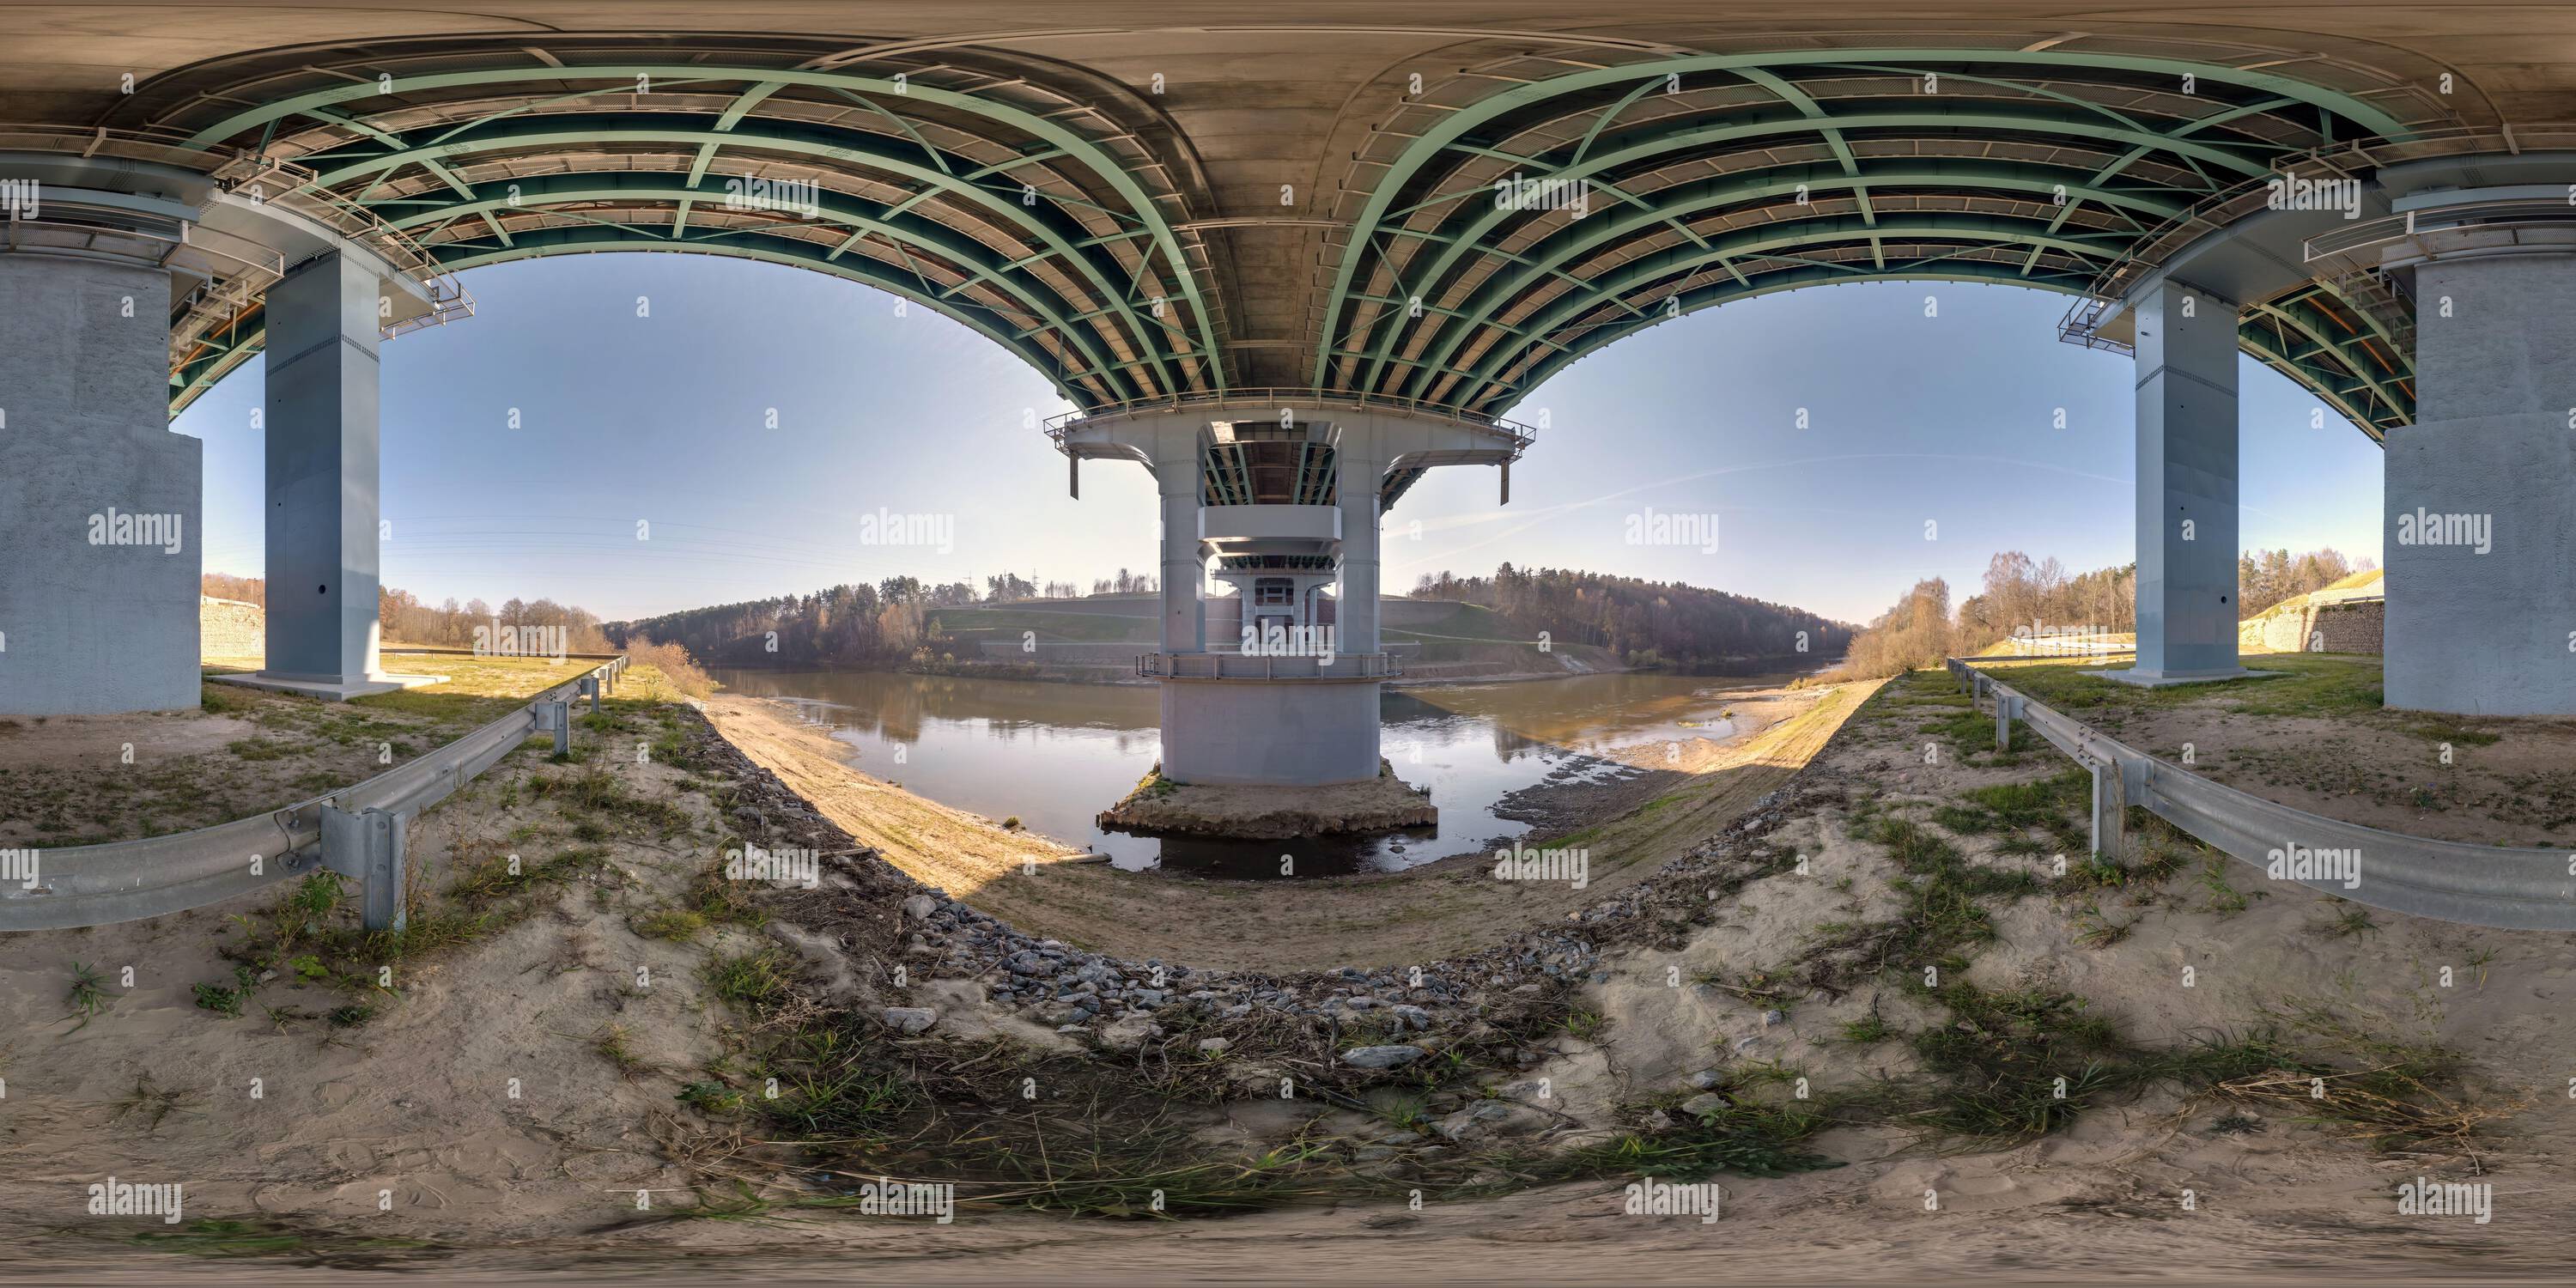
pixel 97 613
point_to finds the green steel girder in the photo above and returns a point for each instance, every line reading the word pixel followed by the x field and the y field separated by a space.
pixel 2375 379
pixel 1073 146
pixel 1785 235
pixel 1685 199
pixel 1696 134
pixel 1459 128
pixel 979 262
pixel 1040 224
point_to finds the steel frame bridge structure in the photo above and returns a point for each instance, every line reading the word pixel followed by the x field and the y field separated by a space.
pixel 1384 234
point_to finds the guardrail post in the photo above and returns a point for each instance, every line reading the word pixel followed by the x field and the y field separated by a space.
pixel 2110 809
pixel 2005 709
pixel 590 690
pixel 368 846
pixel 556 716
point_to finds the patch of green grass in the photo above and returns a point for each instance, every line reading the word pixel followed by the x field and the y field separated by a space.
pixel 227 999
pixel 752 979
pixel 2347 922
pixel 611 1044
pixel 713 1099
pixel 88 995
pixel 679 924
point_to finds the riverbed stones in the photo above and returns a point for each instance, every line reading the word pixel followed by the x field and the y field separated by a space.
pixel 1382 1057
pixel 909 1020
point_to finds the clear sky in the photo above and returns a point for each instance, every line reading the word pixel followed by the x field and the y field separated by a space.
pixel 665 420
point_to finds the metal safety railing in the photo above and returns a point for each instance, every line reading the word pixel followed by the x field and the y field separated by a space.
pixel 2478 885
pixel 356 831
pixel 1293 400
pixel 2225 206
pixel 1263 666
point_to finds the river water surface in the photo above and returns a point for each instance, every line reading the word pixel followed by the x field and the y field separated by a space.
pixel 1055 755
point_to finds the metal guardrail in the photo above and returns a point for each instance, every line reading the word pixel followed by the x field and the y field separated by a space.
pixel 1295 399
pixel 1262 666
pixel 2478 885
pixel 356 831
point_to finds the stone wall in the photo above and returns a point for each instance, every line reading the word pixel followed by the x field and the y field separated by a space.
pixel 2347 626
pixel 230 629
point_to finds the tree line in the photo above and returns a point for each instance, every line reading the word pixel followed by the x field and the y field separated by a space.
pixel 2023 596
pixel 402 618
pixel 1644 622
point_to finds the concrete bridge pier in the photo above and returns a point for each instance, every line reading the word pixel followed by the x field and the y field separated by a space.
pixel 322 507
pixel 99 502
pixel 1280 500
pixel 2187 472
pixel 2480 543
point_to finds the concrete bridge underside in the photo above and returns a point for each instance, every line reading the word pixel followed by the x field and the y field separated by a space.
pixel 1168 206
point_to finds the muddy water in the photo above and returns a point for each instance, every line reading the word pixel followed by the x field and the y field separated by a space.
pixel 1055 755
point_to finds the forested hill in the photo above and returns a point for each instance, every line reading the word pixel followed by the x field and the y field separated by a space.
pixel 1644 622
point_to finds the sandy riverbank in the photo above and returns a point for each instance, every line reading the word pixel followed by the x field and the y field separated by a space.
pixel 1438 911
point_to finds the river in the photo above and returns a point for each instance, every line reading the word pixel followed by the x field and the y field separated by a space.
pixel 1055 755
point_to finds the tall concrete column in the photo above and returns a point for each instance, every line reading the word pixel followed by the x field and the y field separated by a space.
pixel 1356 628
pixel 322 479
pixel 2187 464
pixel 1176 478
pixel 99 500
pixel 2481 490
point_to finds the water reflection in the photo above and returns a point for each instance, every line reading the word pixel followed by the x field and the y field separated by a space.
pixel 1055 755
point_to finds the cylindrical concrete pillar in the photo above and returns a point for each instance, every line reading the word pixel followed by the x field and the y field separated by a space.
pixel 2481 490
pixel 99 500
pixel 1355 630
pixel 1176 477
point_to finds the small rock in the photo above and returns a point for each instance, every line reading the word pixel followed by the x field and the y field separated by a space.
pixel 1703 1104
pixel 919 907
pixel 909 1020
pixel 1708 1079
pixel 1414 1017
pixel 1214 1046
pixel 1382 1057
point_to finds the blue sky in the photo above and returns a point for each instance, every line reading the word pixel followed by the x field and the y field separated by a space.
pixel 664 420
